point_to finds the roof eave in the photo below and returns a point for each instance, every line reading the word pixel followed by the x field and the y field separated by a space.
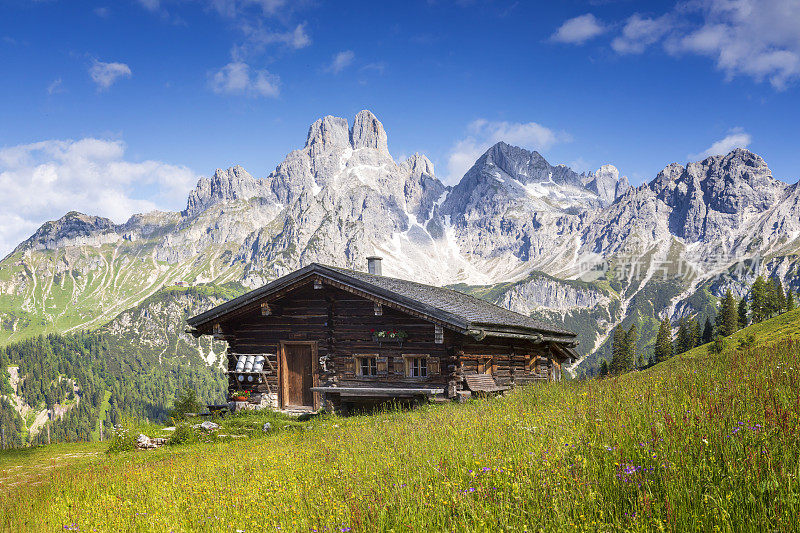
pixel 523 330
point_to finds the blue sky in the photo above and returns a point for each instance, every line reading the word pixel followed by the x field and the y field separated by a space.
pixel 116 107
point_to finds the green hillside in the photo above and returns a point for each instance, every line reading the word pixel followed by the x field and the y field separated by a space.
pixel 699 443
pixel 132 366
pixel 60 291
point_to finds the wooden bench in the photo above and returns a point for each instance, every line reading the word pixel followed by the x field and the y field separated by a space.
pixel 483 383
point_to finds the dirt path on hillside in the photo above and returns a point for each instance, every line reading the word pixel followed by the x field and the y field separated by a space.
pixel 36 473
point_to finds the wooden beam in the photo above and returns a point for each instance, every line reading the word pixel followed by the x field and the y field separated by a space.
pixel 378 392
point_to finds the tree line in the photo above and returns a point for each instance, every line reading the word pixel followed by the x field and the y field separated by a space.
pixel 767 298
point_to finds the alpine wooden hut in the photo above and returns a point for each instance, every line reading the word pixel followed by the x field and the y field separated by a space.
pixel 330 338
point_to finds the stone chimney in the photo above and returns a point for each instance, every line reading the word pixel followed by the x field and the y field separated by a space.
pixel 374 265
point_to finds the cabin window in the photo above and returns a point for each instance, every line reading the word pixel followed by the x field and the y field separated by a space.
pixel 438 334
pixel 417 367
pixel 368 366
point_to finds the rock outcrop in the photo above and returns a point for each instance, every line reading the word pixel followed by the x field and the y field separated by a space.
pixel 607 184
pixel 73 229
pixel 225 186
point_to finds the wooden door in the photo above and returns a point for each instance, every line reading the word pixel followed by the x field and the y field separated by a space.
pixel 298 379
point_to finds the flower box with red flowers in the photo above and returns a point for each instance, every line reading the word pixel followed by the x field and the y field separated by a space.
pixel 389 335
pixel 241 396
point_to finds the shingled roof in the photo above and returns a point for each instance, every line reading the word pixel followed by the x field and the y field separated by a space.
pixel 460 311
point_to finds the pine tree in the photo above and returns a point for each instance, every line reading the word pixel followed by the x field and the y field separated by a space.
pixel 708 331
pixel 663 350
pixel 682 341
pixel 730 315
pixel 742 312
pixel 770 300
pixel 618 351
pixel 789 300
pixel 631 338
pixel 697 336
pixel 603 367
pixel 780 296
pixel 758 302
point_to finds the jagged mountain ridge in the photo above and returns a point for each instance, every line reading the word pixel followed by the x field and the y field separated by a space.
pixel 342 197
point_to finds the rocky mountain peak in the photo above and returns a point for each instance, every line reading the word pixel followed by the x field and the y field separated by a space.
pixel 329 132
pixel 609 171
pixel 709 198
pixel 728 183
pixel 235 183
pixel 419 165
pixel 368 132
pixel 745 157
pixel 518 190
pixel 607 184
pixel 517 161
pixel 72 229
pixel 528 166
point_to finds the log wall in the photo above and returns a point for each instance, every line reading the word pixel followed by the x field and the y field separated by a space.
pixel 342 323
pixel 508 362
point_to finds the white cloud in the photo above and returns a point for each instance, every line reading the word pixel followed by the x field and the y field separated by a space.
pixel 239 79
pixel 150 5
pixel 298 38
pixel 341 61
pixel 263 23
pixel 55 87
pixel 578 30
pixel 736 138
pixel 258 35
pixel 640 32
pixel 378 66
pixel 482 134
pixel 106 74
pixel 757 38
pixel 257 38
pixel 44 180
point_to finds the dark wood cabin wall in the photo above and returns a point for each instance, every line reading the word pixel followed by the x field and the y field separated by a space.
pixel 302 317
pixel 513 362
pixel 341 323
pixel 353 321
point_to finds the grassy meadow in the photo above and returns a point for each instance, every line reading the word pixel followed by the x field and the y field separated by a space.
pixel 699 443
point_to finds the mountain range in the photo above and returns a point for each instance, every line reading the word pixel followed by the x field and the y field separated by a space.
pixel 584 250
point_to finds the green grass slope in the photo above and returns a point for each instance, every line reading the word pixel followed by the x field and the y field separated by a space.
pixel 699 443
pixel 58 291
